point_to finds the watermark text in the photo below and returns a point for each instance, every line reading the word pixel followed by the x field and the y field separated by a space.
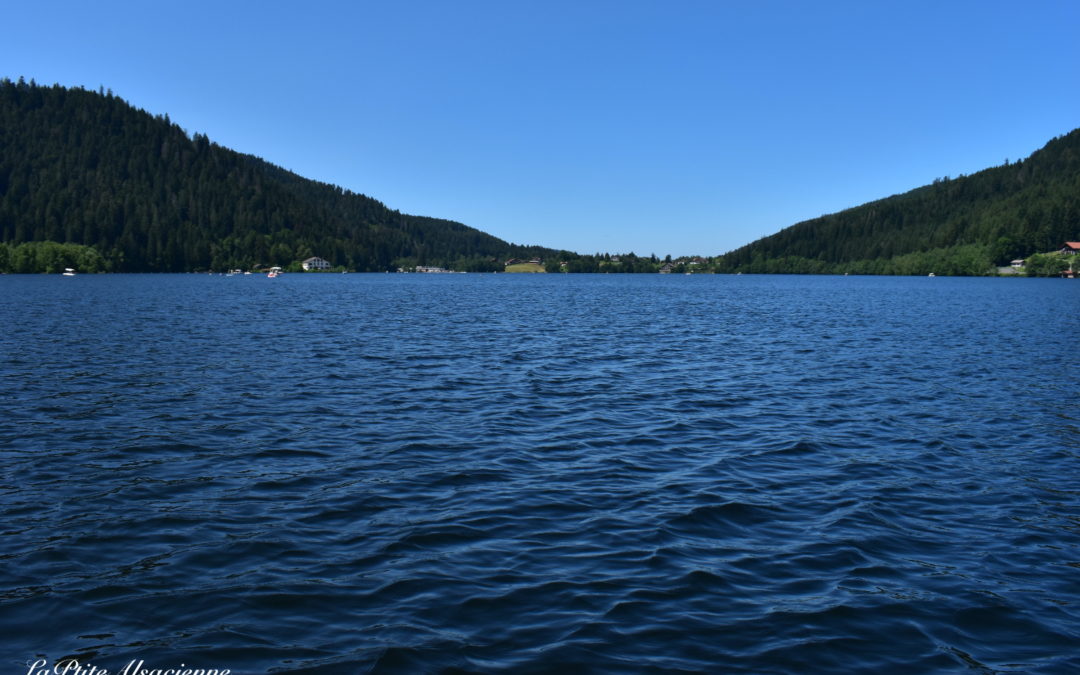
pixel 133 667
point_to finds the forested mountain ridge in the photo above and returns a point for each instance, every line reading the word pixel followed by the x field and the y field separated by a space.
pixel 87 168
pixel 967 223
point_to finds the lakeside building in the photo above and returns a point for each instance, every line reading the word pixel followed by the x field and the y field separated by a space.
pixel 315 263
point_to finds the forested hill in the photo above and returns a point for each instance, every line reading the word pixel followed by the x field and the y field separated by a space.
pixel 956 226
pixel 87 168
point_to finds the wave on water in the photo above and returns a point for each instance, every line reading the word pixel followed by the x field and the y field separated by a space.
pixel 389 473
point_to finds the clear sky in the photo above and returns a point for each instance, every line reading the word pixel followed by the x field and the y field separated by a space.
pixel 655 127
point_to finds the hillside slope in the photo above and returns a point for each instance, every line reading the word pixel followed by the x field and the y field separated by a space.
pixel 87 168
pixel 973 221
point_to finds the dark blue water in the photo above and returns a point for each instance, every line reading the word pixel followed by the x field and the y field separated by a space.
pixel 529 473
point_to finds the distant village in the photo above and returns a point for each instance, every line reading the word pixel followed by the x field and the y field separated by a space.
pixel 612 262
pixel 1064 262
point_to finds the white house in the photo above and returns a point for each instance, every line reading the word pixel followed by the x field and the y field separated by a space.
pixel 315 263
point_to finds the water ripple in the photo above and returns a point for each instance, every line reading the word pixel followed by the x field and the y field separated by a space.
pixel 478 473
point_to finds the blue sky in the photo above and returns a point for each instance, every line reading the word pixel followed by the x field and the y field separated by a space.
pixel 655 127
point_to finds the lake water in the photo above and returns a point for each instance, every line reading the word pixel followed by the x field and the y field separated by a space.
pixel 532 473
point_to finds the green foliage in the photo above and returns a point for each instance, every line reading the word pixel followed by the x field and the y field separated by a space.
pixel 965 224
pixel 477 264
pixel 1049 264
pixel 137 191
pixel 585 264
pixel 967 260
pixel 963 261
pixel 49 257
pixel 85 168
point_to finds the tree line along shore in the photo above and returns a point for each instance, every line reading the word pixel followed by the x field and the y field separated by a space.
pixel 90 182
pixel 54 258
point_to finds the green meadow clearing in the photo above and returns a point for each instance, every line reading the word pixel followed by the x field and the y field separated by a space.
pixel 524 267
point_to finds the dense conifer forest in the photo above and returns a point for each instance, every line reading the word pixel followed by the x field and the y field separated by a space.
pixel 88 181
pixel 85 168
pixel 965 225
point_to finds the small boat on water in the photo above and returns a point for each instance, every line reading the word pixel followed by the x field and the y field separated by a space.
pixel 931 275
pixel 68 272
pixel 274 271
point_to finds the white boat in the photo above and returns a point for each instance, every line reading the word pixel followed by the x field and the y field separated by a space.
pixel 68 272
pixel 274 271
pixel 931 275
